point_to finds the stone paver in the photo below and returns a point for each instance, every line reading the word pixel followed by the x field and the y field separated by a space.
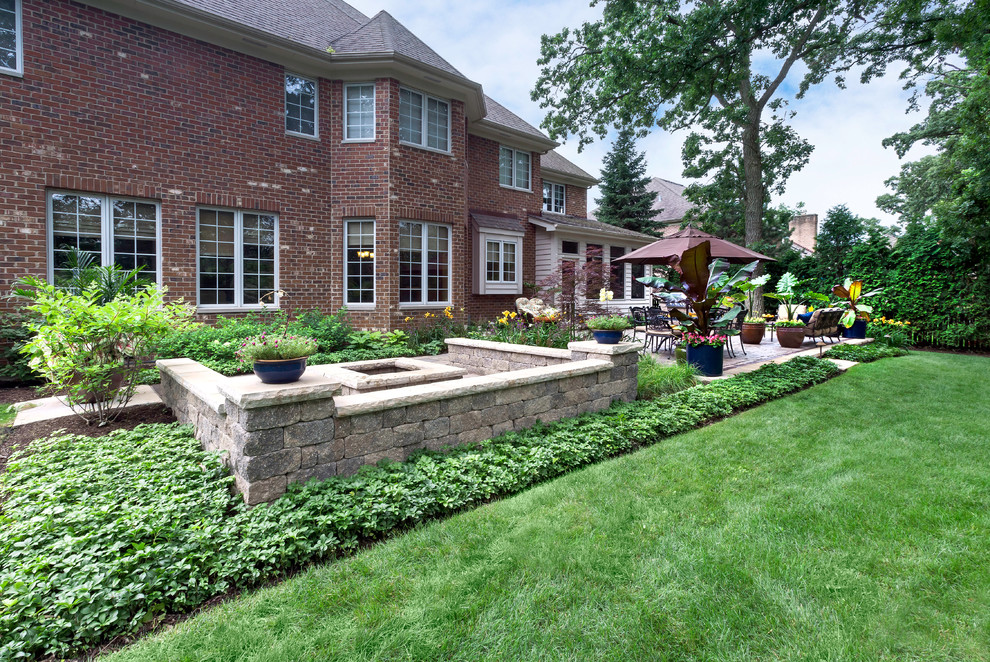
pixel 46 409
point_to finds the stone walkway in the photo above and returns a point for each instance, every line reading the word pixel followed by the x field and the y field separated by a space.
pixel 46 409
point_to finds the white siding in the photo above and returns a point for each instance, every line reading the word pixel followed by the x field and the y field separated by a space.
pixel 545 253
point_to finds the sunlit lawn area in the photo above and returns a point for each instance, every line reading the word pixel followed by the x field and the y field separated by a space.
pixel 850 521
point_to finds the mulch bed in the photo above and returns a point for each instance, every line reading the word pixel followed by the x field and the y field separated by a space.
pixel 9 396
pixel 12 438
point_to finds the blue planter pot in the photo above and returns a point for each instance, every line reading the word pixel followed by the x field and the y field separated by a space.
pixel 607 337
pixel 707 359
pixel 280 372
pixel 857 330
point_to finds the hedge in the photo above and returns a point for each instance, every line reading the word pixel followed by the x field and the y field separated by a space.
pixel 99 536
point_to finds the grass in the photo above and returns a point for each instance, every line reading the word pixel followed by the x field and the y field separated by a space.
pixel 657 379
pixel 7 414
pixel 846 522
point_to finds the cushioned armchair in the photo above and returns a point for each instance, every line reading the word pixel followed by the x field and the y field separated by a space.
pixel 824 323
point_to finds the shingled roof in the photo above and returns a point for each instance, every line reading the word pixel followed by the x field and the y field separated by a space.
pixel 384 34
pixel 557 163
pixel 312 23
pixel 588 224
pixel 670 205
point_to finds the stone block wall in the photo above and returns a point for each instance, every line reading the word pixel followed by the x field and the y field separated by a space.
pixel 486 357
pixel 275 435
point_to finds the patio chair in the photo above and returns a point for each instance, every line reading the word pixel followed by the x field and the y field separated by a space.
pixel 658 332
pixel 637 314
pixel 732 329
pixel 824 323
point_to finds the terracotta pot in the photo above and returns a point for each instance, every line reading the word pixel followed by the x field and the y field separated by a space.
pixel 752 333
pixel 790 336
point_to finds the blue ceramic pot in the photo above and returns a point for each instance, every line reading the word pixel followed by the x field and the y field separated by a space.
pixel 607 337
pixel 707 359
pixel 857 330
pixel 280 372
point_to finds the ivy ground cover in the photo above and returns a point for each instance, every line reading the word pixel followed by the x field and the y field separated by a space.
pixel 846 522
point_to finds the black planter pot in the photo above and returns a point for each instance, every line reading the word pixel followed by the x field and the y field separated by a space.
pixel 280 372
pixel 607 337
pixel 707 359
pixel 857 330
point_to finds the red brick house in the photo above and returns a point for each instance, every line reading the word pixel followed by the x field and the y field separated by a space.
pixel 238 147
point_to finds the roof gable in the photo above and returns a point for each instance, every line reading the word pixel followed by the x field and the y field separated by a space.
pixel 384 34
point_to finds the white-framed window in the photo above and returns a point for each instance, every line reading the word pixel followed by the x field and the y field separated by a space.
pixel 237 260
pixel 637 290
pixel 554 196
pixel 513 168
pixel 617 272
pixel 424 263
pixel 500 260
pixel 359 111
pixel 424 121
pixel 359 262
pixel 115 230
pixel 11 37
pixel 301 109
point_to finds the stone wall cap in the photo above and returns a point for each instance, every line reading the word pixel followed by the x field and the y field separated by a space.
pixel 366 403
pixel 592 347
pixel 408 372
pixel 510 347
pixel 248 392
pixel 196 378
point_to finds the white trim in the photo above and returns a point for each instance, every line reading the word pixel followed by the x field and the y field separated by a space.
pixel 424 128
pixel 362 305
pixel 239 304
pixel 374 113
pixel 529 161
pixel 424 285
pixel 18 42
pixel 316 106
pixel 552 184
pixel 106 228
pixel 502 243
pixel 481 238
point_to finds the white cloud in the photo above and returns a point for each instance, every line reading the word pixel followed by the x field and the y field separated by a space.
pixel 498 43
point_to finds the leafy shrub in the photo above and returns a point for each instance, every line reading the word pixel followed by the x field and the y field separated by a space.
pixel 864 353
pixel 545 331
pixel 14 333
pixel 101 535
pixel 656 379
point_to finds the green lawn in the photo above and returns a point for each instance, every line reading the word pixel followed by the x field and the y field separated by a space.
pixel 7 414
pixel 847 522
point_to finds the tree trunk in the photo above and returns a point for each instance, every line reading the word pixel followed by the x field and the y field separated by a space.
pixel 754 194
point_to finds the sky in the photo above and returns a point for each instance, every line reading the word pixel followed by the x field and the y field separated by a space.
pixel 497 43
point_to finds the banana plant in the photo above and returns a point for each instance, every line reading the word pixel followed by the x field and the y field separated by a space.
pixel 852 291
pixel 700 283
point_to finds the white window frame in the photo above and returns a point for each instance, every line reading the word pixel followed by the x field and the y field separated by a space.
pixel 425 122
pixel 374 284
pixel 553 197
pixel 529 164
pixel 481 283
pixel 374 112
pixel 502 243
pixel 316 106
pixel 106 228
pixel 238 263
pixel 18 42
pixel 424 302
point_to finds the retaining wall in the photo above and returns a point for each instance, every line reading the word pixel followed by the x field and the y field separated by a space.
pixel 275 435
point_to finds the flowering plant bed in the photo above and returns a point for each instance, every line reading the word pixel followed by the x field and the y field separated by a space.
pixel 265 347
pixel 702 340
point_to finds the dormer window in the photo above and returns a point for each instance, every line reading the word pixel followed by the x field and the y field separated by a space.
pixel 554 197
pixel 514 168
pixel 11 47
pixel 300 106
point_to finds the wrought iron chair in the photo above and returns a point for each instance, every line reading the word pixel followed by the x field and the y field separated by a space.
pixel 637 314
pixel 658 332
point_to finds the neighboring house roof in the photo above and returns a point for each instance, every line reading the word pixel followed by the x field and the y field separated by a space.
pixel 555 164
pixel 384 34
pixel 312 23
pixel 671 205
pixel 586 226
pixel 491 222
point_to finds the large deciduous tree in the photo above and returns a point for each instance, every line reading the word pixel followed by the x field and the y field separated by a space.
pixel 625 202
pixel 716 66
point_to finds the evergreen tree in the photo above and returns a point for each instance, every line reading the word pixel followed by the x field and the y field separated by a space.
pixel 625 202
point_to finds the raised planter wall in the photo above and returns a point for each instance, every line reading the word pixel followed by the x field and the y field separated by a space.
pixel 277 434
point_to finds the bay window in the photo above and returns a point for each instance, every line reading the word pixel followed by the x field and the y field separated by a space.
pixel 300 105
pixel 359 262
pixel 359 112
pixel 424 263
pixel 424 121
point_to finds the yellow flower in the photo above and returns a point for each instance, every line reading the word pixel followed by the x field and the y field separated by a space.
pixel 512 315
pixel 505 313
pixel 503 321
pixel 409 319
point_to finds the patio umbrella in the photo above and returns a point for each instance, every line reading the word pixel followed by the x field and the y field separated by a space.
pixel 669 249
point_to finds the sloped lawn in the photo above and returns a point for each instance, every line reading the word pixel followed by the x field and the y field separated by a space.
pixel 846 522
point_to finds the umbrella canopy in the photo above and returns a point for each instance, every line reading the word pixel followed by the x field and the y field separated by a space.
pixel 669 249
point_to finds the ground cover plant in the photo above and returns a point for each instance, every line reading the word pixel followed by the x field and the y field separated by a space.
pixel 100 537
pixel 864 353
pixel 789 532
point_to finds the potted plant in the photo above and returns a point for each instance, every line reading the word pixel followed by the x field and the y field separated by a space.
pixel 704 352
pixel 753 328
pixel 278 358
pixel 790 330
pixel 608 329
pixel 857 315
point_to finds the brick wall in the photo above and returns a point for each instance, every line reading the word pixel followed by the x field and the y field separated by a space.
pixel 576 201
